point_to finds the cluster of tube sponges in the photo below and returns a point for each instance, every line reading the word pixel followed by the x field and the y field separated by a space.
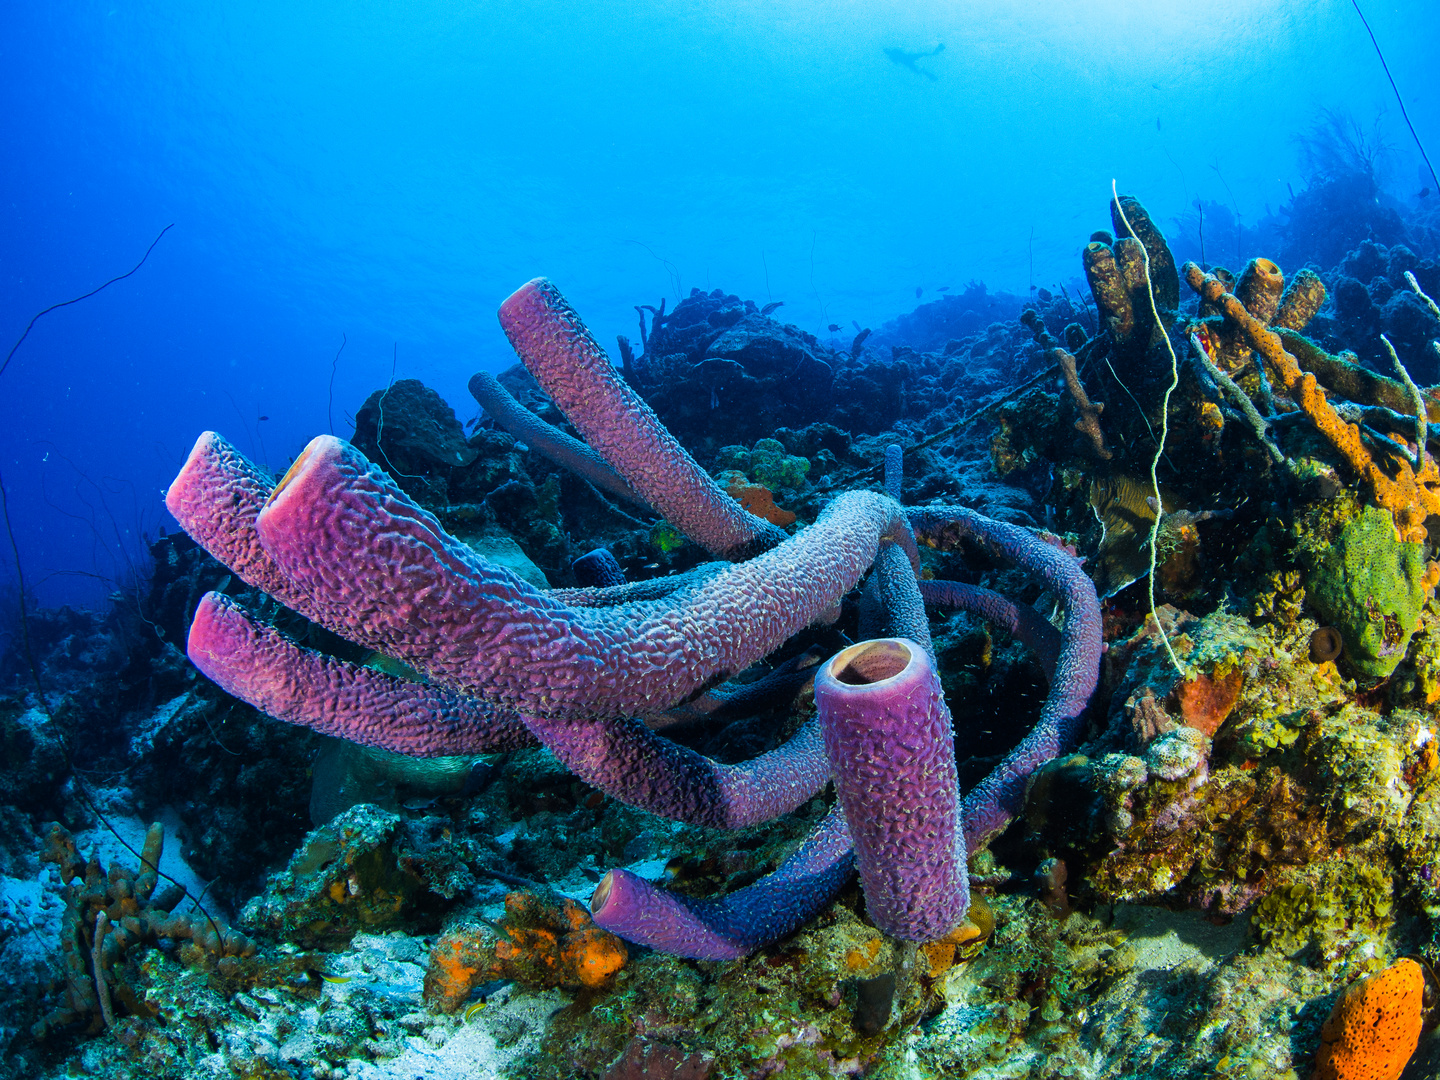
pixel 590 672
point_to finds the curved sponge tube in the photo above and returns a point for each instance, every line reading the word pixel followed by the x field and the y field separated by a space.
pixel 258 664
pixel 574 370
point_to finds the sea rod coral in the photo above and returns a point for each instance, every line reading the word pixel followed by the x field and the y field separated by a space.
pixel 583 670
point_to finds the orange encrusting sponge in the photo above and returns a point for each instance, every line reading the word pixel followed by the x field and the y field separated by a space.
pixel 1375 1026
pixel 541 940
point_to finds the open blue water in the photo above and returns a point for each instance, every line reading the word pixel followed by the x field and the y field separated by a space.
pixel 390 172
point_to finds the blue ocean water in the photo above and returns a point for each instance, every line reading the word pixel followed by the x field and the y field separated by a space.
pixel 385 174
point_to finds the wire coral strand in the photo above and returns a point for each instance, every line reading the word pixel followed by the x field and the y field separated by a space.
pixel 1398 99
pixel 75 300
pixel 1164 431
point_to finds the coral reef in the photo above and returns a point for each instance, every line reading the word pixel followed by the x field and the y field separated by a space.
pixel 331 495
pixel 634 711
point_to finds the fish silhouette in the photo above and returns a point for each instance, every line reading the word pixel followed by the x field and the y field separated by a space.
pixel 918 291
pixel 907 59
pixel 768 308
pixel 833 327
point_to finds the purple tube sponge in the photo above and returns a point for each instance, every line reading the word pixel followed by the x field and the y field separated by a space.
pixel 739 923
pixel 378 569
pixel 993 803
pixel 891 748
pixel 1023 623
pixel 340 543
pixel 575 371
pixel 631 763
pixel 894 470
pixel 254 661
pixel 901 606
pixel 548 440
pixel 216 498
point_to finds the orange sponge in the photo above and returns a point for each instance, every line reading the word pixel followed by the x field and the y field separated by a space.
pixel 591 956
pixel 541 940
pixel 759 500
pixel 1375 1026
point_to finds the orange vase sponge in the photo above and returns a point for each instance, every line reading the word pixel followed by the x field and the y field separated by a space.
pixel 1375 1026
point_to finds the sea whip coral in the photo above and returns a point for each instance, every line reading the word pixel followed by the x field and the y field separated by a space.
pixel 344 546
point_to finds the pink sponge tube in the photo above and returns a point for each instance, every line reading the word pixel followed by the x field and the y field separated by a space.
pixel 558 349
pixel 377 568
pixel 258 664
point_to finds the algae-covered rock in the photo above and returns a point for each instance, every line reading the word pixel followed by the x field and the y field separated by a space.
pixel 353 873
pixel 1371 586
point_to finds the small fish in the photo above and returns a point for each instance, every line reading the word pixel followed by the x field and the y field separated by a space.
pixel 943 288
pixel 834 326
pixel 1157 123
pixel 264 418
pixel 337 979
pixel 771 307
pixel 918 292
pixel 1424 192
pixel 473 1009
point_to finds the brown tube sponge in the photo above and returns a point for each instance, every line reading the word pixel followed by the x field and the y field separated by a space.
pixel 1259 289
pixel 1164 278
pixel 1107 285
pixel 1302 299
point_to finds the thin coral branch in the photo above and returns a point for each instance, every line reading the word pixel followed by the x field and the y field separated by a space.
pixel 1237 395
pixel 1089 422
pixel 1416 399
pixel 1434 310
